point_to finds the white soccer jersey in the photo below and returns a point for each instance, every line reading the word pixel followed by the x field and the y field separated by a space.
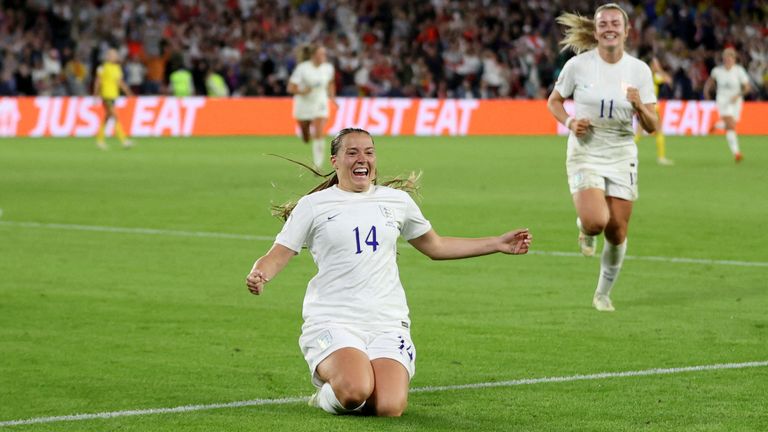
pixel 353 240
pixel 729 82
pixel 599 92
pixel 315 103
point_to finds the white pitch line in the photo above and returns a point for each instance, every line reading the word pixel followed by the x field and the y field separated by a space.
pixel 148 231
pixel 427 389
pixel 207 234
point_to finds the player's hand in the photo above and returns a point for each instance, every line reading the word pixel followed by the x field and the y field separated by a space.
pixel 735 98
pixel 515 242
pixel 256 280
pixel 580 127
pixel 633 96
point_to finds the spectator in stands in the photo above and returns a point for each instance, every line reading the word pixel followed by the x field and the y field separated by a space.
pixel 181 84
pixel 215 84
pixel 251 39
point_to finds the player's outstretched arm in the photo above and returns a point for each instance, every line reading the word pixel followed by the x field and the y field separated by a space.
pixel 268 267
pixel 438 247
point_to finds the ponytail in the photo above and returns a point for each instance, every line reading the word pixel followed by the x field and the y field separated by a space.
pixel 580 30
pixel 305 52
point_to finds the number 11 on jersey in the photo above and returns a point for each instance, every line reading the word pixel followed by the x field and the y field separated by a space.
pixel 602 108
pixel 370 239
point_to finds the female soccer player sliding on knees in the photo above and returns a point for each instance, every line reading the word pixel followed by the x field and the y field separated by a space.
pixel 356 332
pixel 608 87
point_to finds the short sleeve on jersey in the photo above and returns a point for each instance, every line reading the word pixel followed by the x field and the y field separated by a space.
pixel 296 229
pixel 565 81
pixel 743 77
pixel 296 75
pixel 647 90
pixel 414 224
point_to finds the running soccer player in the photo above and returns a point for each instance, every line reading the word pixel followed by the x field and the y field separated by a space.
pixel 312 86
pixel 608 87
pixel 732 84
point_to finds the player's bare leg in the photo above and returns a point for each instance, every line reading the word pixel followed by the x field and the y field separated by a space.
pixel 349 381
pixel 390 392
pixel 318 142
pixel 732 138
pixel 593 216
pixel 614 250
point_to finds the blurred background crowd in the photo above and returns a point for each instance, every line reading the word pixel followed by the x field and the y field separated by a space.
pixel 394 48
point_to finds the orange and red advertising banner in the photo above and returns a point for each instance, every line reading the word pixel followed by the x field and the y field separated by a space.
pixel 200 116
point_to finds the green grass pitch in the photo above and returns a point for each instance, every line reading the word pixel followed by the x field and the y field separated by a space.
pixel 103 319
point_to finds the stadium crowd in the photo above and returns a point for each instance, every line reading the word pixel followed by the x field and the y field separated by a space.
pixel 395 48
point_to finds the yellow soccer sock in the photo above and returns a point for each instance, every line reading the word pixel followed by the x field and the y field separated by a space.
pixel 100 134
pixel 119 132
pixel 661 149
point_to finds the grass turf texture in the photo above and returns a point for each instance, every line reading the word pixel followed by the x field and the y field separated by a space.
pixel 106 321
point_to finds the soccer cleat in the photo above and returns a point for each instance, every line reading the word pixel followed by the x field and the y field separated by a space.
pixel 127 144
pixel 602 303
pixel 664 161
pixel 313 400
pixel 101 144
pixel 738 157
pixel 587 243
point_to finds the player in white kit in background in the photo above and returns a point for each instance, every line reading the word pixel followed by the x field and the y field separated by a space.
pixel 608 87
pixel 356 332
pixel 732 84
pixel 312 86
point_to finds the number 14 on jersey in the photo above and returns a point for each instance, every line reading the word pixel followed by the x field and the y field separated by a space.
pixel 370 239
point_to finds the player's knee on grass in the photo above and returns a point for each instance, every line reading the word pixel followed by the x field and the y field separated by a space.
pixel 351 393
pixel 390 406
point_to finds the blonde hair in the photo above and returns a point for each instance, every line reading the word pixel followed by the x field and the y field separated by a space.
pixel 408 183
pixel 305 52
pixel 580 30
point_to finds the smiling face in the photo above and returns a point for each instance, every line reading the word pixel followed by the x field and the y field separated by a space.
pixel 355 162
pixel 611 29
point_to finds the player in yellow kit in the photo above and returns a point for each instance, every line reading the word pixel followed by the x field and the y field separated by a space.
pixel 660 76
pixel 109 82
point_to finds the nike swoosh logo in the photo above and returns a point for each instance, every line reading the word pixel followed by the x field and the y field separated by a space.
pixel 331 217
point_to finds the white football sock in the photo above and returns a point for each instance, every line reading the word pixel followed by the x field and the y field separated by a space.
pixel 327 400
pixel 610 266
pixel 733 141
pixel 318 151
